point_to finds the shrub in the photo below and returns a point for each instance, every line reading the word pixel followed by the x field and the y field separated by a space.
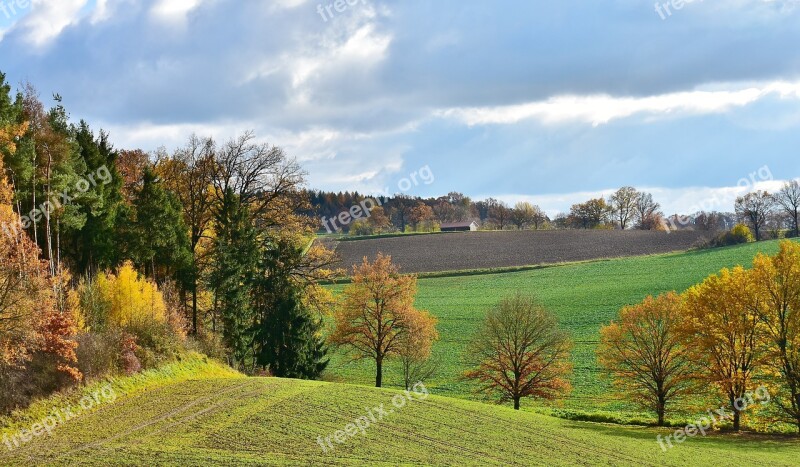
pixel 736 236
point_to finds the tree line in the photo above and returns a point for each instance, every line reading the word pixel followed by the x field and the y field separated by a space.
pixel 115 260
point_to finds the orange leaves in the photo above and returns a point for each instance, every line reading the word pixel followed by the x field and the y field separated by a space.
pixel 520 352
pixel 377 315
pixel 644 352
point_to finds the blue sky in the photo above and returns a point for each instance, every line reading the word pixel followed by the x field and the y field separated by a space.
pixel 551 102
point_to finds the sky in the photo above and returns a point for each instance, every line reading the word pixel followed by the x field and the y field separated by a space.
pixel 552 102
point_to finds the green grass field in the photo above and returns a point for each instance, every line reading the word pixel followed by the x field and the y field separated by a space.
pixel 584 296
pixel 213 420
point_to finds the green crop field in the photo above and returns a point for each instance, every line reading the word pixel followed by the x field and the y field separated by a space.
pixel 213 420
pixel 584 297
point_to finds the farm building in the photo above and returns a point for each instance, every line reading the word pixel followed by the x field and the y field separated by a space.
pixel 460 227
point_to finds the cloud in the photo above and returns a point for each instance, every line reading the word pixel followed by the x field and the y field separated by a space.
pixel 602 109
pixel 48 18
pixel 173 11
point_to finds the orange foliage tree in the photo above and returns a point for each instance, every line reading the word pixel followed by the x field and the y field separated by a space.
pixel 30 321
pixel 644 353
pixel 520 352
pixel 377 314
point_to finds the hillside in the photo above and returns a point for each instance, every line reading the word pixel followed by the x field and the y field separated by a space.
pixel 258 421
pixel 480 250
pixel 584 296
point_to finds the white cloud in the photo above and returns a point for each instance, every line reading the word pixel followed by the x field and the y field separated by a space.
pixel 173 11
pixel 48 18
pixel 687 200
pixel 601 109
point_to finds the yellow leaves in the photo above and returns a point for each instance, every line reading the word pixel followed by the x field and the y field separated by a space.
pixel 133 299
pixel 9 135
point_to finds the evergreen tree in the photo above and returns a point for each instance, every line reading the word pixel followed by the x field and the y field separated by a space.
pixel 158 239
pixel 231 279
pixel 288 339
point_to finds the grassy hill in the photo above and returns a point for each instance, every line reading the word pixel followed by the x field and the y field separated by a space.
pixel 230 420
pixel 584 297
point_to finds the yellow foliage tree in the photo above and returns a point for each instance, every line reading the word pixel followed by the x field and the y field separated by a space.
pixel 722 328
pixel 132 299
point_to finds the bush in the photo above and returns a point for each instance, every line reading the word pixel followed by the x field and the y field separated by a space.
pixel 736 236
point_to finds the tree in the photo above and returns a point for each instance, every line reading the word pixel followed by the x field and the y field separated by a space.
pixel 590 215
pixel 645 355
pixel 646 212
pixel 420 215
pixel 415 348
pixel 131 166
pixel 519 352
pixel 754 209
pixel 722 327
pixel 623 205
pixel 376 313
pixel 158 239
pixel 526 214
pixel 499 213
pixel 188 174
pixel 777 280
pixel 378 219
pixel 708 221
pixel 788 198
pixel 288 334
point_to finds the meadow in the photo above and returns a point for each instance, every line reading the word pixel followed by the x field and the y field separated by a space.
pixel 584 297
pixel 229 420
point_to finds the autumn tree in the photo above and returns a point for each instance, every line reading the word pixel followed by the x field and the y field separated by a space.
pixel 499 213
pixel 415 348
pixel 623 205
pixel 788 199
pixel 722 328
pixel 188 174
pixel 644 353
pixel 646 212
pixel 526 214
pixel 378 219
pixel 777 281
pixel 420 215
pixel 754 209
pixel 520 352
pixel 589 215
pixel 377 313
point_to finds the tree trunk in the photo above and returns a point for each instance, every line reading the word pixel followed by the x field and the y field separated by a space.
pixel 737 420
pixel 516 403
pixel 379 373
pixel 194 308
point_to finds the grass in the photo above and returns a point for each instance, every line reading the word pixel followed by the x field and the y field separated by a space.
pixel 265 421
pixel 191 366
pixel 584 296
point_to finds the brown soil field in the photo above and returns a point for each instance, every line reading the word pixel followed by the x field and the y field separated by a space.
pixel 482 250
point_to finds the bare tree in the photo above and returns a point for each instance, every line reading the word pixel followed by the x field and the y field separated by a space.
pixel 623 205
pixel 789 201
pixel 754 209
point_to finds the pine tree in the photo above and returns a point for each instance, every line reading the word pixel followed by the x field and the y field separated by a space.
pixel 158 239
pixel 288 336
